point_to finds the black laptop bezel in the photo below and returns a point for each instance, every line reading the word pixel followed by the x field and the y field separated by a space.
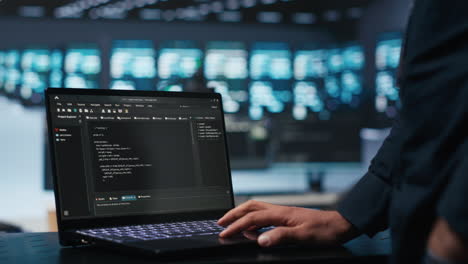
pixel 66 227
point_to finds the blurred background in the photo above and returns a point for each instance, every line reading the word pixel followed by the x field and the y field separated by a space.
pixel 308 87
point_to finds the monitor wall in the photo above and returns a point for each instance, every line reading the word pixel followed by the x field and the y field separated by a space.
pixel 256 125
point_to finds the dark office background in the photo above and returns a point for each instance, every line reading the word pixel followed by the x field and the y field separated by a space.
pixel 275 146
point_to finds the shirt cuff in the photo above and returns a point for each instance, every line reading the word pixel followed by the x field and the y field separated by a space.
pixel 366 205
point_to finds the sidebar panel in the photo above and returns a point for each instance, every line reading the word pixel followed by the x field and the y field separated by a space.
pixel 70 167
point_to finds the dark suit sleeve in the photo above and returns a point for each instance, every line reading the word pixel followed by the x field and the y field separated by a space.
pixel 366 205
pixel 435 108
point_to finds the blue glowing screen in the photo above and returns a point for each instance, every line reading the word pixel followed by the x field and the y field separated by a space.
pixel 133 65
pixel 271 61
pixel 387 58
pixel 226 68
pixel 82 65
pixel 310 64
pixel 35 65
pixel 179 60
pixel 270 73
pixel 226 60
pixel 2 70
pixel 12 72
pixel 326 80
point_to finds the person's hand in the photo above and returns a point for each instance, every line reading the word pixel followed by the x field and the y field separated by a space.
pixel 293 224
pixel 445 243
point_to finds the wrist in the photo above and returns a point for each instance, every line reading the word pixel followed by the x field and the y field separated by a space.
pixel 345 231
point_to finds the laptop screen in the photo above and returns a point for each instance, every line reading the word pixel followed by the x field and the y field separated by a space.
pixel 133 155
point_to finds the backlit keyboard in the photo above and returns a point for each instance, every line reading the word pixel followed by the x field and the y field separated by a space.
pixel 155 231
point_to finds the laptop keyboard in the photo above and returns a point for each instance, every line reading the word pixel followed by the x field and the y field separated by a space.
pixel 155 231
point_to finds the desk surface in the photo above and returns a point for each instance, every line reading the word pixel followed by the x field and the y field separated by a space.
pixel 41 248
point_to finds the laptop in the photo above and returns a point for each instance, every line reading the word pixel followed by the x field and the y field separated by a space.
pixel 140 170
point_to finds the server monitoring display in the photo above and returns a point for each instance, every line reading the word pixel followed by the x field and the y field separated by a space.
pixel 387 59
pixel 281 100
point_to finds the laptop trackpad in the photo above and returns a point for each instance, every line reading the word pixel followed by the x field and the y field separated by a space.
pixel 222 241
pixel 191 243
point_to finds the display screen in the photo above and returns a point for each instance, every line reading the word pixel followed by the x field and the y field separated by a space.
pixel 226 68
pixel 387 57
pixel 335 61
pixel 35 65
pixel 131 155
pixel 271 73
pixel 351 76
pixel 179 59
pixel 56 69
pixel 327 96
pixel 353 57
pixel 12 78
pixel 307 97
pixel 263 97
pixel 82 66
pixel 327 81
pixel 310 64
pixel 2 70
pixel 226 60
pixel 260 82
pixel 133 65
pixel 270 60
